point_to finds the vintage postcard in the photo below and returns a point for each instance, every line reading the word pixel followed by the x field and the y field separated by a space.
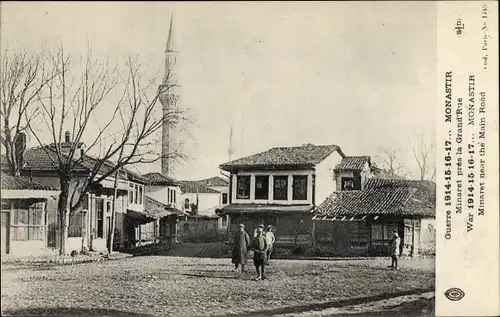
pixel 249 158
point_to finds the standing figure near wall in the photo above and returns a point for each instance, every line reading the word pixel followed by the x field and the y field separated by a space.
pixel 270 238
pixel 240 250
pixel 394 245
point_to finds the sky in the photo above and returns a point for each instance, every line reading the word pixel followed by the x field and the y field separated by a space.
pixel 361 75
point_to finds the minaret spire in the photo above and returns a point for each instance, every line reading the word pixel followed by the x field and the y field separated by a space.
pixel 170 53
pixel 169 97
pixel 230 149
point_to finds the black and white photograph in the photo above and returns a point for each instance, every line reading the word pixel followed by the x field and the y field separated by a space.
pixel 221 158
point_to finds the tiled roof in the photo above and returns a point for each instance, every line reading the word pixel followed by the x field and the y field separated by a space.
pixel 308 155
pixel 40 159
pixel 215 181
pixel 390 197
pixel 160 179
pixel 133 176
pixel 353 163
pixel 196 187
pixel 155 209
pixel 264 208
pixel 18 183
pixel 425 190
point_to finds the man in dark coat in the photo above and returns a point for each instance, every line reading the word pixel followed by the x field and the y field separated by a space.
pixel 260 247
pixel 240 250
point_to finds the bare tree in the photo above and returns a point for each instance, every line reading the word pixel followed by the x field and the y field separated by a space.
pixel 423 149
pixel 73 99
pixel 23 76
pixel 391 164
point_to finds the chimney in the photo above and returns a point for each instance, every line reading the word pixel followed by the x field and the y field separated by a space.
pixel 66 146
pixel 20 147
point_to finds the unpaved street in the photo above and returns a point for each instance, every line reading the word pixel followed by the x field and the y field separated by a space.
pixel 174 286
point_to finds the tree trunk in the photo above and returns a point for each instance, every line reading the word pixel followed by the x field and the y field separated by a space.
pixel 111 235
pixel 63 210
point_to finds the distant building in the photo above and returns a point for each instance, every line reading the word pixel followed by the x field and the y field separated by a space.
pixel 166 191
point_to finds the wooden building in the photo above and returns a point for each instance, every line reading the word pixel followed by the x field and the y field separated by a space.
pixel 362 222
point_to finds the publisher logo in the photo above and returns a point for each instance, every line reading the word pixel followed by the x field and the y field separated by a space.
pixel 459 27
pixel 454 294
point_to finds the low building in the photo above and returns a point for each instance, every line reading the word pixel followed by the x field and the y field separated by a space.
pixel 24 210
pixel 362 222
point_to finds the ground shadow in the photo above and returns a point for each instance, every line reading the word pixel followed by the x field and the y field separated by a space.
pixel 211 276
pixel 422 307
pixel 65 311
pixel 339 304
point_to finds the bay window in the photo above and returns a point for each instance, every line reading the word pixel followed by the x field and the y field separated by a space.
pixel 299 187
pixel 261 187
pixel 280 187
pixel 243 187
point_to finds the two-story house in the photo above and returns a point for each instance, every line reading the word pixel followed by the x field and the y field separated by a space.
pixel 90 226
pixel 361 215
pixel 281 187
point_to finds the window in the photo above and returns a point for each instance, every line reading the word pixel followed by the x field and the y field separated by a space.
pixel 99 207
pixel 224 198
pixel 243 187
pixel 186 227
pixel 358 233
pixel 261 187
pixel 109 206
pixel 186 203
pixel 131 193
pixel 148 231
pixel 28 222
pixel 136 193
pixel 300 187
pixel 224 221
pixel 347 183
pixel 383 232
pixel 280 187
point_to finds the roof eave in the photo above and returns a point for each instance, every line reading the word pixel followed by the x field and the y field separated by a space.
pixel 29 193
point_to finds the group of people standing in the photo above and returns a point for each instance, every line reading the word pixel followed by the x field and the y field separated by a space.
pixel 261 245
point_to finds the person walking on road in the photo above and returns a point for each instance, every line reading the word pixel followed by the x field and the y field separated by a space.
pixel 240 250
pixel 260 247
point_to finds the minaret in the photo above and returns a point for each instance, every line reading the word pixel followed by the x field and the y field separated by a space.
pixel 230 149
pixel 169 97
